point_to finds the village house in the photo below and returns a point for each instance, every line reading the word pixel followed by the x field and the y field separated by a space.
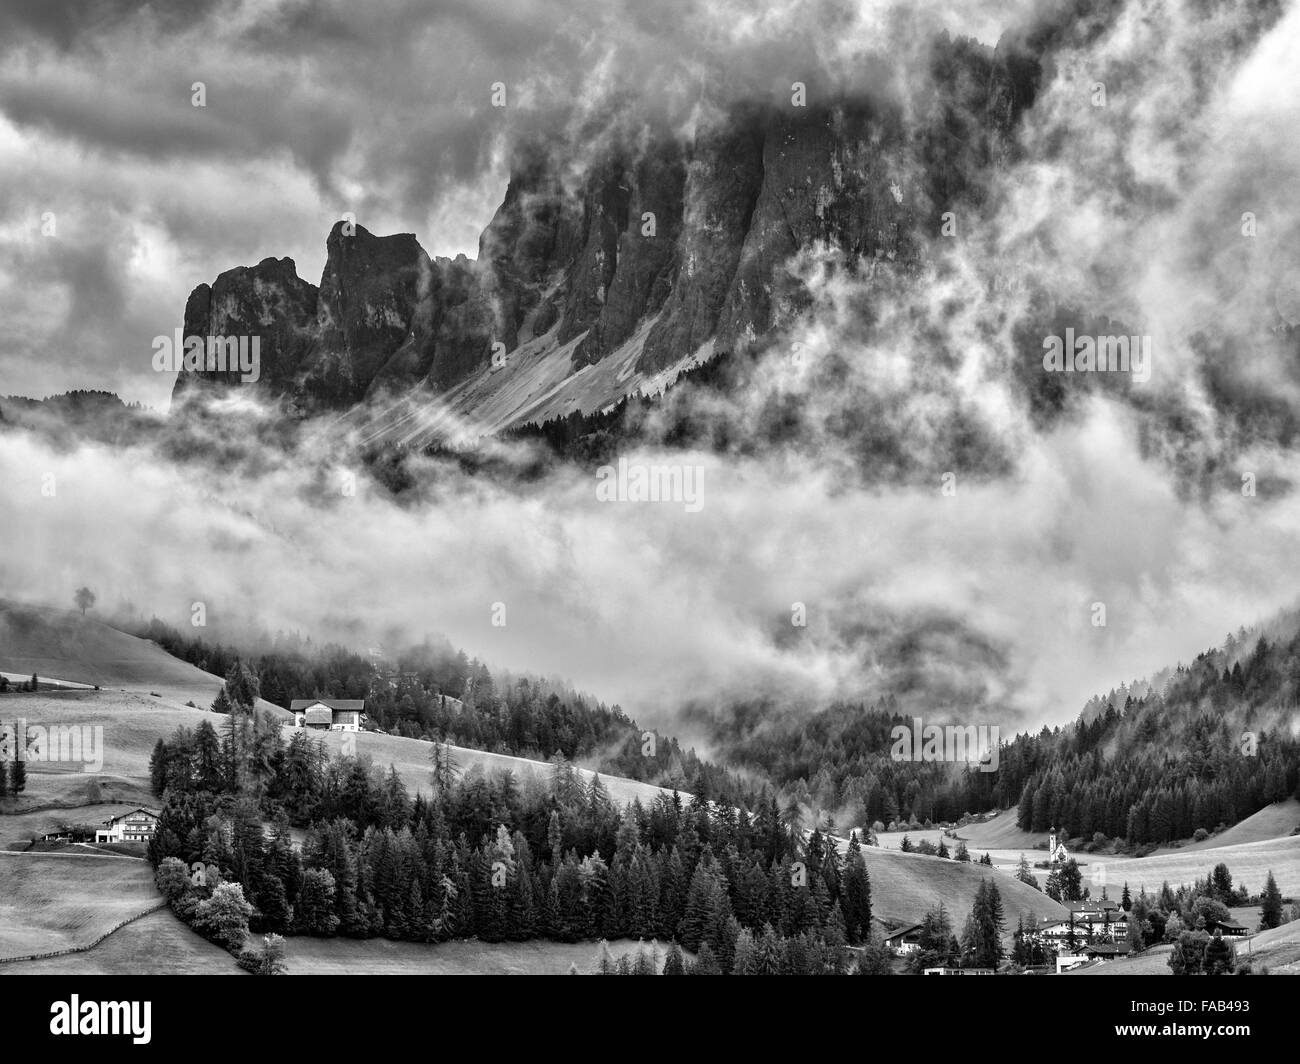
pixel 1089 921
pixel 328 714
pixel 139 825
pixel 904 941
pixel 1228 928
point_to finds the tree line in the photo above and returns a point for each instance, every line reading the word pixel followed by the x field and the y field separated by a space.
pixel 491 857
pixel 432 691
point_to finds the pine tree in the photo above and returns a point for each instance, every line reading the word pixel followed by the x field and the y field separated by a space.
pixel 18 774
pixel 700 901
pixel 1221 883
pixel 157 768
pixel 771 949
pixel 1218 957
pixel 706 963
pixel 745 961
pixel 1270 914
pixel 855 896
pixel 1019 945
pixel 646 961
pixel 989 923
pixel 673 962
pixel 1071 881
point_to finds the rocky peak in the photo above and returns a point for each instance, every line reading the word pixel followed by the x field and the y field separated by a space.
pixel 659 251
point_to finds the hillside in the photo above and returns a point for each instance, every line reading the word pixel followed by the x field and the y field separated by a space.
pixel 64 645
pixel 411 759
pixel 133 723
pixel 159 944
pixel 1271 822
pixel 1002 833
pixel 905 885
pixel 1249 863
pixel 57 901
pixel 315 956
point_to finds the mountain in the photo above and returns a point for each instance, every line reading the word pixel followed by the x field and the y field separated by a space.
pixel 1200 746
pixel 80 415
pixel 610 275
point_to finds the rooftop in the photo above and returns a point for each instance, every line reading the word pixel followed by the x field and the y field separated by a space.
pixel 340 704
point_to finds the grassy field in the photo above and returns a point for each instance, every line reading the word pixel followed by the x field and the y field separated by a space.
pixel 1250 849
pixel 144 696
pixel 161 944
pixel 411 759
pixel 337 956
pixel 1001 833
pixel 1272 822
pixel 16 829
pixel 1249 863
pixel 54 901
pixel 157 944
pixel 905 885
pixel 132 722
pixel 997 834
pixel 63 645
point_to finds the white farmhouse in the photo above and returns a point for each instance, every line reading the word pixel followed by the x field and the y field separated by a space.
pixel 139 825
pixel 328 714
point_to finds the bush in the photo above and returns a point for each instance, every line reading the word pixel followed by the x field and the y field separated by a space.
pixel 1200 835
pixel 224 916
pixel 269 960
pixel 172 878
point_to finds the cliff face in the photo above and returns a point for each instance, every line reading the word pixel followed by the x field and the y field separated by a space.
pixel 269 301
pixel 664 251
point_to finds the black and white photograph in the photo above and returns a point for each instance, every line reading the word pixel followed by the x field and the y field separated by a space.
pixel 650 487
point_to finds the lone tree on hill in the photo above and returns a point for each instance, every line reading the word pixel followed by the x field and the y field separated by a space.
pixel 1270 912
pixel 85 598
pixel 18 775
pixel 242 687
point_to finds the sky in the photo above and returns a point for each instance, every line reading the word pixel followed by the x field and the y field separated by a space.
pixel 118 196
pixel 383 109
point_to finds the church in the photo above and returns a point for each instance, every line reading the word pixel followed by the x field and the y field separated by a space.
pixel 1056 851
